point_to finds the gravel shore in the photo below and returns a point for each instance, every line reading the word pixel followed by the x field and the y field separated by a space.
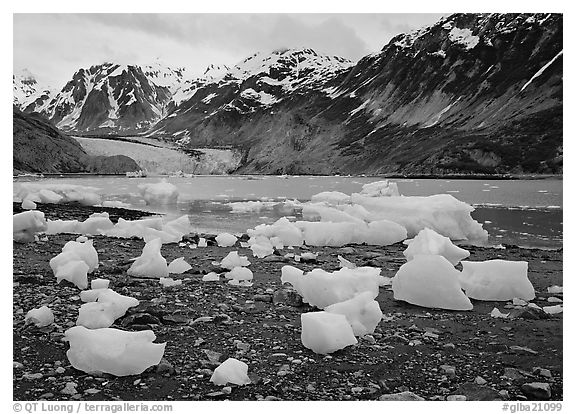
pixel 434 354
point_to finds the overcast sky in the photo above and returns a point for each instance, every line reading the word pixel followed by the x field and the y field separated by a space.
pixel 54 46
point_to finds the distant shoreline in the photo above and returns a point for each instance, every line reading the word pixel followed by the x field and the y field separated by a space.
pixel 383 176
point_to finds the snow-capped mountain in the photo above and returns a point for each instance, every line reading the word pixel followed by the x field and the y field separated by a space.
pixel 259 81
pixel 473 93
pixel 112 98
pixel 28 92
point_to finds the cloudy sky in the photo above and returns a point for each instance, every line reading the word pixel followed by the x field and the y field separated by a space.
pixel 54 46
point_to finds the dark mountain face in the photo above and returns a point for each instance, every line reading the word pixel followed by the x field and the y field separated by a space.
pixel 39 147
pixel 473 93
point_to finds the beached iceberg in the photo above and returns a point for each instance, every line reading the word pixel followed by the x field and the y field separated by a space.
pixel 58 193
pixel 231 371
pixel 233 260
pixel 325 332
pixel 74 271
pixel 179 266
pixel 321 288
pixel 150 263
pixel 107 307
pixel 226 240
pixel 25 225
pixel 95 224
pixel 112 351
pixel 61 226
pixel 336 234
pixel 239 274
pixel 169 282
pixel 211 277
pixel 40 317
pixel 429 242
pixel 100 283
pixel 382 188
pixel 261 246
pixel 283 229
pixel 362 312
pixel 496 280
pixel 28 205
pixel 430 281
pixel 159 193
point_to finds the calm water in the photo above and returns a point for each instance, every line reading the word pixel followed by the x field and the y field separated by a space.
pixel 523 212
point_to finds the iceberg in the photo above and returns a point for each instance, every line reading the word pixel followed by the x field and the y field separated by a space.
pixel 226 240
pixel 40 317
pixel 430 281
pixel 108 307
pixel 74 271
pixel 159 193
pixel 178 266
pixel 331 197
pixel 150 263
pixel 325 332
pixel 58 193
pixel 497 280
pixel 100 284
pixel 94 224
pixel 112 351
pixel 239 274
pixel 233 260
pixel 25 225
pixel 382 188
pixel 62 226
pixel 429 242
pixel 321 288
pixel 231 371
pixel 362 312
pixel 286 232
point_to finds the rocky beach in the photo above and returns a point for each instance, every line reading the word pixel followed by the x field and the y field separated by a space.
pixel 414 352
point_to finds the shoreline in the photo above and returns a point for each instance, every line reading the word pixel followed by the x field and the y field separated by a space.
pixel 405 353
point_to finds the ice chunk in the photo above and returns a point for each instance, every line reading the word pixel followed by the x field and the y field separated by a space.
pixel 74 271
pixel 382 188
pixel 321 212
pixel 28 204
pixel 430 281
pixel 95 224
pixel 40 317
pixel 552 310
pixel 555 289
pixel 211 277
pixel 62 226
pixel 202 242
pixel 74 250
pixel 239 273
pixel 178 266
pixel 497 314
pixel 283 229
pixel 261 246
pixel 112 351
pixel 332 197
pixel 496 280
pixel 100 284
pixel 231 371
pixel 362 312
pixel 59 193
pixel 327 233
pixel 150 263
pixel 109 306
pixel 226 240
pixel 346 263
pixel 115 204
pixel 321 288
pixel 233 260
pixel 381 233
pixel 429 242
pixel 26 224
pixel 169 282
pixel 159 193
pixel 441 212
pixel 325 332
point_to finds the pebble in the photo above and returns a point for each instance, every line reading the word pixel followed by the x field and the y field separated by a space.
pixel 33 376
pixel 480 381
pixel 456 398
pixel 165 368
pixel 17 365
pixel 69 389
pixel 449 370
pixel 401 396
pixel 60 370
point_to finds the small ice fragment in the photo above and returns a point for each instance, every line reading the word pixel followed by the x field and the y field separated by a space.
pixel 40 317
pixel 226 240
pixel 497 314
pixel 325 332
pixel 169 282
pixel 211 277
pixel 231 371
pixel 178 266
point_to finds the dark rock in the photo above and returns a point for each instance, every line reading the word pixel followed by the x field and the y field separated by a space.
pixel 513 374
pixel 165 368
pixel 401 396
pixel 496 347
pixel 140 319
pixel 263 298
pixel 288 296
pixel 476 392
pixel 528 313
pixel 537 390
pixel 175 319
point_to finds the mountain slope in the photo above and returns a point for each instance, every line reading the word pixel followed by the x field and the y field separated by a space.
pixel 39 147
pixel 474 93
